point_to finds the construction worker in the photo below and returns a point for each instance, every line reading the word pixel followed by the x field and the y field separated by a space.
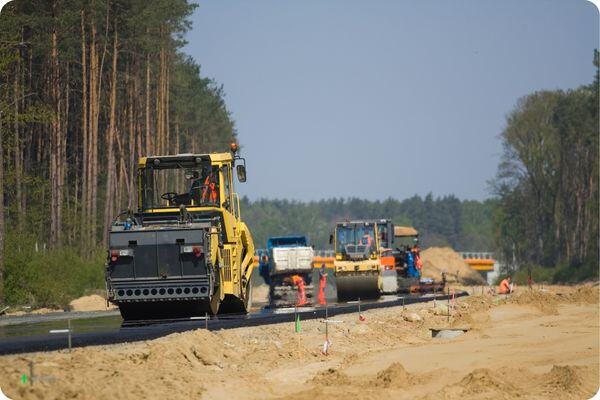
pixel 299 283
pixel 410 263
pixel 209 192
pixel 505 287
pixel 322 285
pixel 417 258
pixel 367 240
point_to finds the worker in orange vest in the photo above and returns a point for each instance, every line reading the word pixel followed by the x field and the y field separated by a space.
pixel 209 193
pixel 504 287
pixel 322 285
pixel 417 258
pixel 299 283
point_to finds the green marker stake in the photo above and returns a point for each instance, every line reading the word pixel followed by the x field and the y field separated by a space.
pixel 297 324
pixel 24 379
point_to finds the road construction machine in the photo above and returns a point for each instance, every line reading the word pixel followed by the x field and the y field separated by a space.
pixel 408 272
pixel 287 266
pixel 357 260
pixel 185 251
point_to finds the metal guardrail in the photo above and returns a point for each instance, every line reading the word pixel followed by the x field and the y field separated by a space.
pixel 481 255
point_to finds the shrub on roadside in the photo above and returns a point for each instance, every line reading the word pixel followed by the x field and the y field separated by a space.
pixel 560 274
pixel 48 278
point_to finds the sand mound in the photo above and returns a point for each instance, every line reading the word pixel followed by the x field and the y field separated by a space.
pixel 547 301
pixel 481 383
pixel 90 303
pixel 437 260
pixel 583 294
pixel 394 375
pixel 563 378
pixel 544 301
pixel 480 380
pixel 331 376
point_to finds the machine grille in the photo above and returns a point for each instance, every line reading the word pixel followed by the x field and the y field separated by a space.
pixel 226 264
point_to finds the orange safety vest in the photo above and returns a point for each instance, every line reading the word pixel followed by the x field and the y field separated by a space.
pixel 299 282
pixel 322 285
pixel 418 262
pixel 209 186
pixel 504 287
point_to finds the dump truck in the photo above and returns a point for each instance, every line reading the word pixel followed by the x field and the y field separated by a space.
pixel 357 259
pixel 286 265
pixel 185 251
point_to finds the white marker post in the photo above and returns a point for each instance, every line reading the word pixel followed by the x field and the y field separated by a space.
pixel 68 331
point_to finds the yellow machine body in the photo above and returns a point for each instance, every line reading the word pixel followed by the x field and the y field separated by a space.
pixel 232 249
pixel 357 259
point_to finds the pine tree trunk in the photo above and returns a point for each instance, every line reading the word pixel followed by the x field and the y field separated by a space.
pixel 18 151
pixel 54 138
pixel 84 131
pixel 62 155
pixel 95 93
pixel 91 179
pixel 167 122
pixel 2 229
pixel 110 181
pixel 132 136
pixel 149 151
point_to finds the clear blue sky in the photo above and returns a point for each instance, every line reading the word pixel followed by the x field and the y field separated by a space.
pixel 384 98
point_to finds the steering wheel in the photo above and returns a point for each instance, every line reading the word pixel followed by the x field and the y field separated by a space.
pixel 169 196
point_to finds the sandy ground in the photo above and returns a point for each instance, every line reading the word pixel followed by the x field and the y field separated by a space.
pixel 539 344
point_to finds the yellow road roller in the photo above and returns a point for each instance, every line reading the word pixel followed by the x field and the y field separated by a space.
pixel 357 263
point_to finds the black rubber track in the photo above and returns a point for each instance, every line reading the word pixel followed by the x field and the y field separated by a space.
pixel 138 332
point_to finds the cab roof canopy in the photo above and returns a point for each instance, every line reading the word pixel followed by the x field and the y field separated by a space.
pixel 405 231
pixel 186 160
pixel 367 222
pixel 348 223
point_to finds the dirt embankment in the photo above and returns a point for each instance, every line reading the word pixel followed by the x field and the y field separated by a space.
pixel 513 349
pixel 92 302
pixel 438 260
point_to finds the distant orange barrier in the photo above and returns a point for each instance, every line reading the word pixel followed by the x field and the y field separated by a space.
pixel 481 264
pixel 319 261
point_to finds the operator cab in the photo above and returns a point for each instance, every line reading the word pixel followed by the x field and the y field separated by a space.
pixel 166 183
pixel 356 240
pixel 385 229
pixel 173 181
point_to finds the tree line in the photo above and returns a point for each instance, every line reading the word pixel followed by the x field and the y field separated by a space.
pixel 547 181
pixel 465 225
pixel 86 87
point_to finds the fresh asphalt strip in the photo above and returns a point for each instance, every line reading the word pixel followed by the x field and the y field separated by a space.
pixel 135 332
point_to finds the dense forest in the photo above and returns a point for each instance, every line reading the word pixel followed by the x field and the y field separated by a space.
pixel 444 221
pixel 547 182
pixel 85 88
